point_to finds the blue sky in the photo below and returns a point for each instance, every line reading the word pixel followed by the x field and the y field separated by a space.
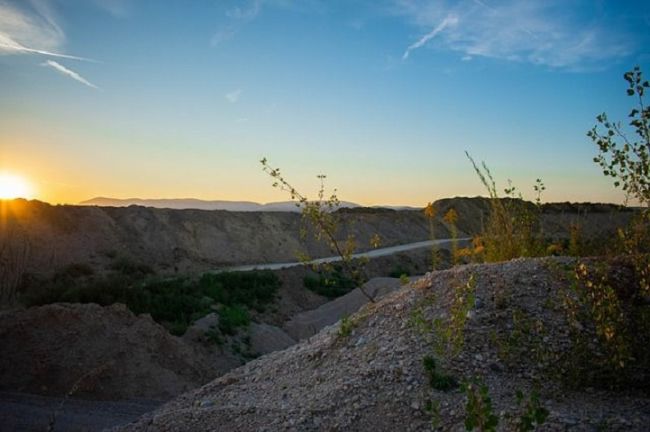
pixel 151 99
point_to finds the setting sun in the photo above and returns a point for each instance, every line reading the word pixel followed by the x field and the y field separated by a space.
pixel 13 186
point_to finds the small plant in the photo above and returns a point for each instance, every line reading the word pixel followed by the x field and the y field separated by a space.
pixel 430 212
pixel 232 317
pixel 539 187
pixel 330 283
pixel 513 228
pixel 451 217
pixel 321 216
pixel 437 380
pixel 533 412
pixel 604 310
pixel 523 341
pixel 450 333
pixel 575 239
pixel 403 279
pixel 346 327
pixel 478 409
pixel 433 408
pixel 398 270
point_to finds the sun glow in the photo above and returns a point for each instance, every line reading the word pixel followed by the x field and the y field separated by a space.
pixel 13 186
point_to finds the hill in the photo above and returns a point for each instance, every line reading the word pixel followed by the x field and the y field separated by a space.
pixel 169 241
pixel 394 365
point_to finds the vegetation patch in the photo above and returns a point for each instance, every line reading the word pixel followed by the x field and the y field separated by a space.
pixel 437 380
pixel 174 302
pixel 253 289
pixel 330 284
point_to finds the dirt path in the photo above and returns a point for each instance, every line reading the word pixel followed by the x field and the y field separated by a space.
pixel 375 253
pixel 25 412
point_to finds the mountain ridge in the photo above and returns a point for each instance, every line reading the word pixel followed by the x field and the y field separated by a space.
pixel 200 204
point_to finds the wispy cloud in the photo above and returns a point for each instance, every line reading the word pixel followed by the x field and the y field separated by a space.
pixel 10 46
pixel 237 18
pixel 69 73
pixel 555 33
pixel 117 8
pixel 233 96
pixel 450 20
pixel 31 29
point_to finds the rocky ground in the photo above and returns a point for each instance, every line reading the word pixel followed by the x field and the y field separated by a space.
pixel 367 373
pixel 31 413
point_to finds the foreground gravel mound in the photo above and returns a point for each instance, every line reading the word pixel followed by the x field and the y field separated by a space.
pixel 94 352
pixel 367 373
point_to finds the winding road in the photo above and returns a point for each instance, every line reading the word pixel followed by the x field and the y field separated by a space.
pixel 374 253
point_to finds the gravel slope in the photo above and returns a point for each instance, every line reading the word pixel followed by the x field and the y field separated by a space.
pixel 373 379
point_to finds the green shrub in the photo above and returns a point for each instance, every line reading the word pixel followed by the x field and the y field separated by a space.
pixel 513 228
pixel 398 270
pixel 478 409
pixel 437 380
pixel 232 317
pixel 253 289
pixel 346 327
pixel 330 284
pixel 533 412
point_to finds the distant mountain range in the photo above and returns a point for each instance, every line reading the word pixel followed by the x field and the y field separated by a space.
pixel 192 203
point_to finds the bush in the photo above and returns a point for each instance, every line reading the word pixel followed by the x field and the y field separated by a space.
pixel 397 271
pixel 231 317
pixel 513 228
pixel 254 289
pixel 330 284
pixel 438 380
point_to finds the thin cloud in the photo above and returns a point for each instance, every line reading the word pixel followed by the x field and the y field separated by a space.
pixel 553 33
pixel 9 46
pixel 69 73
pixel 31 31
pixel 233 96
pixel 450 20
pixel 237 18
pixel 117 8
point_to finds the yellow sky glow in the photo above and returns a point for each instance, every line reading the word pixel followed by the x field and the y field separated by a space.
pixel 14 186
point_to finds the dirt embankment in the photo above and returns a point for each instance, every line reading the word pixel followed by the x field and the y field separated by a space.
pixel 192 241
pixel 96 352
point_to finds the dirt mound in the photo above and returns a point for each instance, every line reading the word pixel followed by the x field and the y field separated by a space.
pixel 95 352
pixel 369 373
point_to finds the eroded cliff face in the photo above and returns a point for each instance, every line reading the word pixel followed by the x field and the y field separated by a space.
pixel 171 241
pixel 185 240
